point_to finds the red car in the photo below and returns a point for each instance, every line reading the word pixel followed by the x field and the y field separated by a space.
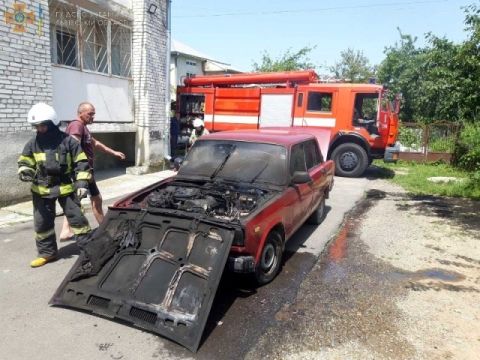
pixel 157 258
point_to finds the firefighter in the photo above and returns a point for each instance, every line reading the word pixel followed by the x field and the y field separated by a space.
pixel 58 168
pixel 198 130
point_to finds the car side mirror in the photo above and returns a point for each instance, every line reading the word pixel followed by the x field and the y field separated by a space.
pixel 301 177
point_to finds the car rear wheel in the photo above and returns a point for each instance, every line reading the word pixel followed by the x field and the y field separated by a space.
pixel 270 259
pixel 318 215
pixel 351 160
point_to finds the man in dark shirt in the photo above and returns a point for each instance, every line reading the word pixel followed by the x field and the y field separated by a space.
pixel 78 129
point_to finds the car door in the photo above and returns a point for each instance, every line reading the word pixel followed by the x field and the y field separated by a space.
pixel 316 169
pixel 303 191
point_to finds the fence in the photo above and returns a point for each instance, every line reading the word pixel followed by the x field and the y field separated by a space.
pixel 428 142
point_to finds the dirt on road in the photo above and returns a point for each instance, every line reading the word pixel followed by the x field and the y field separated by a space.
pixel 401 280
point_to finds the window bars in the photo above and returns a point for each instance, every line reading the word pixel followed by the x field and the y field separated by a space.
pixel 94 34
pixel 84 40
pixel 64 44
pixel 121 49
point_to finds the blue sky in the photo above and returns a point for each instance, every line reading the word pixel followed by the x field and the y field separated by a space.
pixel 238 32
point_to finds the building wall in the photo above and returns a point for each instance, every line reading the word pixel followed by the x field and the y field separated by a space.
pixel 181 66
pixel 126 108
pixel 25 78
pixel 150 72
pixel 186 67
pixel 112 96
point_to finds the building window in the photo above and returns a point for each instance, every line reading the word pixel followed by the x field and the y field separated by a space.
pixel 190 75
pixel 121 50
pixel 192 63
pixel 66 48
pixel 103 45
pixel 94 45
pixel 64 45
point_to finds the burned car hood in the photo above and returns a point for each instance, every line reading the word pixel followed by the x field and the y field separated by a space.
pixel 158 272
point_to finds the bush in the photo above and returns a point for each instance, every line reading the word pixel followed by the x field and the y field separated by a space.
pixel 411 137
pixel 442 144
pixel 467 152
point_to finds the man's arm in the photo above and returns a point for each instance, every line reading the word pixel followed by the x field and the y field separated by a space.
pixel 104 148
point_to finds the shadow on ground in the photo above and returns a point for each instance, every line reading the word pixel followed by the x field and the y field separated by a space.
pixel 461 212
pixel 375 172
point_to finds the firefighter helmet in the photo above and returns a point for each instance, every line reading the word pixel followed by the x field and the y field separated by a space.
pixel 197 123
pixel 41 113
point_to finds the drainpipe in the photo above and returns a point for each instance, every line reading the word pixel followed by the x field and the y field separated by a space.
pixel 166 130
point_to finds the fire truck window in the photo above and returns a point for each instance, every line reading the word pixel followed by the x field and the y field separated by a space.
pixel 300 100
pixel 366 108
pixel 312 154
pixel 297 159
pixel 318 101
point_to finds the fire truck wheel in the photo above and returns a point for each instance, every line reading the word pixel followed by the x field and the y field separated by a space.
pixel 350 159
pixel 270 259
pixel 318 215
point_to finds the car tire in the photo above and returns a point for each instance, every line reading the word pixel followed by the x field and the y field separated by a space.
pixel 351 160
pixel 270 259
pixel 318 215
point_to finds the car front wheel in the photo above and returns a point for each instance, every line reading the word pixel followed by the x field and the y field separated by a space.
pixel 270 259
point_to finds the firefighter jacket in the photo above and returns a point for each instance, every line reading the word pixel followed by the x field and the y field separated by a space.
pixel 56 162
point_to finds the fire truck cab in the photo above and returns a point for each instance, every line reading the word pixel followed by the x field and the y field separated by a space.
pixel 363 122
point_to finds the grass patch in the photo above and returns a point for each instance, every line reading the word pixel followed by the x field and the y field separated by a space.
pixel 413 177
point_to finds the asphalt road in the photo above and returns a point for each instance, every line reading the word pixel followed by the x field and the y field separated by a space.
pixel 239 316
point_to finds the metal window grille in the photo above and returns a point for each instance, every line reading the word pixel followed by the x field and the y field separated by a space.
pixel 82 39
pixel 121 50
pixel 94 31
pixel 64 44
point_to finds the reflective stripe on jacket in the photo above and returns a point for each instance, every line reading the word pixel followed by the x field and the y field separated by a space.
pixel 57 160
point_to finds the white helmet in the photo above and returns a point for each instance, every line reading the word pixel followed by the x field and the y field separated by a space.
pixel 42 112
pixel 197 122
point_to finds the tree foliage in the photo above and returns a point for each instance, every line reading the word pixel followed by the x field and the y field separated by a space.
pixel 439 81
pixel 289 61
pixel 353 66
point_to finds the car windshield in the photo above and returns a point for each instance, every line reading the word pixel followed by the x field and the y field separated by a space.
pixel 236 161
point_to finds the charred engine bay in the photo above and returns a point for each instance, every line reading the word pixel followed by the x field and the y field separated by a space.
pixel 215 200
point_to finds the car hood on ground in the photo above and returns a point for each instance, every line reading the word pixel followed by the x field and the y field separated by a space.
pixel 155 271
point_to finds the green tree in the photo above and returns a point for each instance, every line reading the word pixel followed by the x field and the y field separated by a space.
pixel 289 61
pixel 353 66
pixel 399 71
pixel 439 81
pixel 469 65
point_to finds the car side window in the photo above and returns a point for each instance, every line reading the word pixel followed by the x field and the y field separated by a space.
pixel 297 159
pixel 312 154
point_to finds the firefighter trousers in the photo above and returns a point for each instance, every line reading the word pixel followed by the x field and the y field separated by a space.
pixel 44 222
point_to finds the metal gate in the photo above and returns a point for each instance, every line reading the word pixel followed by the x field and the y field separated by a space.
pixel 428 142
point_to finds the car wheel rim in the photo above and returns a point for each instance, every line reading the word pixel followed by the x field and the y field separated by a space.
pixel 268 257
pixel 348 160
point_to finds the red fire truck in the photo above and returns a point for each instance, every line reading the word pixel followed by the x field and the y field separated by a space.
pixel 362 121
